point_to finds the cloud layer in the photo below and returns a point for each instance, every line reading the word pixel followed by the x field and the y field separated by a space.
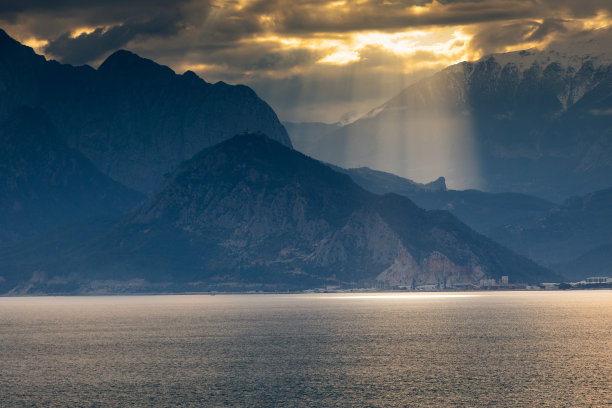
pixel 306 56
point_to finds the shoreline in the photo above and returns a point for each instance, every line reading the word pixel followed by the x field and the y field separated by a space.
pixel 304 292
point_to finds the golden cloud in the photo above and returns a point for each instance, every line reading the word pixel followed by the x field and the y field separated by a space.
pixel 301 41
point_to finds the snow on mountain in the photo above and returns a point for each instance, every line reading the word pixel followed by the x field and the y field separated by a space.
pixel 531 121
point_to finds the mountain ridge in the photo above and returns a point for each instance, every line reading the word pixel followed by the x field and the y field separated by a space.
pixel 484 212
pixel 133 118
pixel 541 129
pixel 566 233
pixel 252 213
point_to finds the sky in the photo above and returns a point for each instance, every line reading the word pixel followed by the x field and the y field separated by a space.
pixel 314 60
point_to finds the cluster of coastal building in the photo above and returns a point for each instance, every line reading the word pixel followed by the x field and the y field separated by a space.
pixel 484 284
pixel 592 282
pixel 447 284
pixel 503 284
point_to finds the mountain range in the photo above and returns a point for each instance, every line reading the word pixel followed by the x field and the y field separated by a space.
pixel 253 213
pixel 134 119
pixel 484 212
pixel 128 178
pixel 596 262
pixel 572 237
pixel 533 122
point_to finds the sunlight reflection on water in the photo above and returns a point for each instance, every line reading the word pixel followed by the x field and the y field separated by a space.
pixel 520 349
pixel 397 296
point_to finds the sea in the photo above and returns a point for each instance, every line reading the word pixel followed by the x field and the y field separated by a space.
pixel 473 349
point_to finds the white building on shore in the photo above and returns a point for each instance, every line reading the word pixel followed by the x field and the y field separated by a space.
pixel 597 279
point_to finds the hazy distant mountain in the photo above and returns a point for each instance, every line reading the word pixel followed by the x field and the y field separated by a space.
pixel 134 119
pixel 252 213
pixel 484 212
pixel 307 136
pixel 531 122
pixel 597 262
pixel 575 230
pixel 381 182
pixel 44 183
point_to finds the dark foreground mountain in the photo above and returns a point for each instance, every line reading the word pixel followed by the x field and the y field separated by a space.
pixel 134 119
pixel 44 183
pixel 530 122
pixel 574 235
pixel 252 213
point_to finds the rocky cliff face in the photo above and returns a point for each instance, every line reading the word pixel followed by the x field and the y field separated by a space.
pixel 134 119
pixel 380 182
pixel 44 183
pixel 252 213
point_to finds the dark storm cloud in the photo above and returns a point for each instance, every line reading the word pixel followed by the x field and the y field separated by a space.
pixel 574 8
pixel 385 15
pixel 388 16
pixel 546 28
pixel 275 45
pixel 91 46
pixel 223 24
pixel 111 22
pixel 107 7
pixel 495 37
pixel 260 57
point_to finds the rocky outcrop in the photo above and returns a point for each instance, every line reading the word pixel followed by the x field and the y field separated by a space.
pixel 435 269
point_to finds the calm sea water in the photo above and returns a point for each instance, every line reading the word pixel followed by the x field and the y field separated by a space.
pixel 473 349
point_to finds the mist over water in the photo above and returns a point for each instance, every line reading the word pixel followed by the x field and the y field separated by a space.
pixel 472 349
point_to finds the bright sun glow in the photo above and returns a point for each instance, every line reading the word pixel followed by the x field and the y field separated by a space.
pixel 36 44
pixel 197 67
pixel 82 30
pixel 420 48
pixel 341 57
pixel 335 4
pixel 602 20
pixel 445 44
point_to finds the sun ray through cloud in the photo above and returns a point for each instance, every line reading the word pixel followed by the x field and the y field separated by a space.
pixel 320 60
